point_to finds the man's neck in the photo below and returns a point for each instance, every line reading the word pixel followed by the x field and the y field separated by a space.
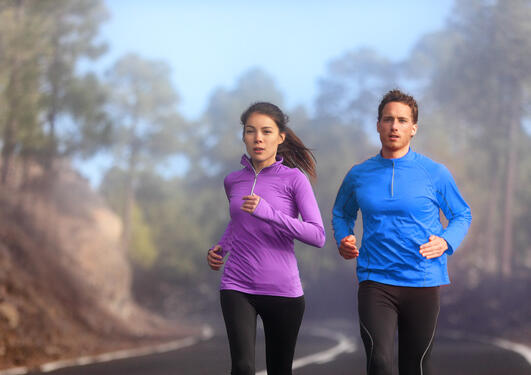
pixel 394 154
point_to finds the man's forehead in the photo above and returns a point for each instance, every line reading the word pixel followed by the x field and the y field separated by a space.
pixel 396 109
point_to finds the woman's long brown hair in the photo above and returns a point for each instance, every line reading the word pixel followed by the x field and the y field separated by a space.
pixel 292 150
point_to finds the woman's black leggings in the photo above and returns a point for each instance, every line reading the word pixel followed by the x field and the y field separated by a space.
pixel 414 310
pixel 282 317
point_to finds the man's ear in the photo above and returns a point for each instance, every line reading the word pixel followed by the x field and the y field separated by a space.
pixel 414 129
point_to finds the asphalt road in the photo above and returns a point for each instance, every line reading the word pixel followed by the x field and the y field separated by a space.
pixel 450 357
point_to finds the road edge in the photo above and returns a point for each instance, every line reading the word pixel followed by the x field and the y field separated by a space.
pixel 206 333
pixel 519 348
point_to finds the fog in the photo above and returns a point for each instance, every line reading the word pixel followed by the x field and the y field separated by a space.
pixel 163 170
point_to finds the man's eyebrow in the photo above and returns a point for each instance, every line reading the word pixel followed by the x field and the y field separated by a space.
pixel 399 117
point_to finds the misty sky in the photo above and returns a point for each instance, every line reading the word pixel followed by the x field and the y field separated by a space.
pixel 209 44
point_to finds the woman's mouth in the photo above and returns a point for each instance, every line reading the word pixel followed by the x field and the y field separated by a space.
pixel 258 150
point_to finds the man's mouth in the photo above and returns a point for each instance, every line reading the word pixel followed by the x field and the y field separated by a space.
pixel 394 136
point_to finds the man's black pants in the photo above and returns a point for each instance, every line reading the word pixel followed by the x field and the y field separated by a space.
pixel 414 310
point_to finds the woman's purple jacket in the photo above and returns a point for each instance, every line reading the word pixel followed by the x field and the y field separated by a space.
pixel 262 259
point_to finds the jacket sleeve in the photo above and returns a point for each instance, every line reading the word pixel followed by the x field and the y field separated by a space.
pixel 454 208
pixel 226 239
pixel 310 230
pixel 345 210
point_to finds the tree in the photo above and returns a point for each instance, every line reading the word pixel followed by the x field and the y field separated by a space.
pixel 42 42
pixel 21 46
pixel 71 31
pixel 147 126
pixel 143 251
pixel 483 86
pixel 353 85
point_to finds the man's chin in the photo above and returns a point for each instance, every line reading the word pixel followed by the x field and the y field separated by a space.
pixel 393 147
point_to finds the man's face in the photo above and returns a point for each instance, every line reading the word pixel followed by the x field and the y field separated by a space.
pixel 396 128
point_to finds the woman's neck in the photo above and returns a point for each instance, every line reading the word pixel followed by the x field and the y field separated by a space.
pixel 258 165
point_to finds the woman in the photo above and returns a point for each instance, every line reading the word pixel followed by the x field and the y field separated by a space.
pixel 261 276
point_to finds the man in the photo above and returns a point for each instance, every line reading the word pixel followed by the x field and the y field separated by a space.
pixel 402 261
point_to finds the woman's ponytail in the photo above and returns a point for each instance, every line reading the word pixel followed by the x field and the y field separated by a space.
pixel 296 154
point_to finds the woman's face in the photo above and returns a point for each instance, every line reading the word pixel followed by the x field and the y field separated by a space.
pixel 262 136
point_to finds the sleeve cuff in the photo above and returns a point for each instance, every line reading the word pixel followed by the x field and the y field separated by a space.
pixel 262 209
pixel 450 249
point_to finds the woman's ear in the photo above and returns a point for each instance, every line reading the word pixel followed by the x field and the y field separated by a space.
pixel 282 138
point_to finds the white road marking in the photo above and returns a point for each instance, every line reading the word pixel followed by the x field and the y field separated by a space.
pixel 522 349
pixel 15 371
pixel 344 345
pixel 206 334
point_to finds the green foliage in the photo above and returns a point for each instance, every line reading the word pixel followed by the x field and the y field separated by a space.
pixel 142 105
pixel 112 187
pixel 354 84
pixel 472 80
pixel 476 77
pixel 86 101
pixel 49 111
pixel 22 45
pixel 142 251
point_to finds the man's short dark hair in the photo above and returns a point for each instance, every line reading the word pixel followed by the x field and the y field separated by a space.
pixel 398 96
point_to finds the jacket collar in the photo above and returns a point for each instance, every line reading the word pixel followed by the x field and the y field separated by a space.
pixel 407 157
pixel 246 162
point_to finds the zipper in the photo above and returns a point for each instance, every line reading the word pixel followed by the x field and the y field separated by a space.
pixel 393 181
pixel 255 175
pixel 254 182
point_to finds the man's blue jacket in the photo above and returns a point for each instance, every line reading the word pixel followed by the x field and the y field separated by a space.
pixel 400 200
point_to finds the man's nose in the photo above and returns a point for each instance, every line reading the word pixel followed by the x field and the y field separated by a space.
pixel 394 124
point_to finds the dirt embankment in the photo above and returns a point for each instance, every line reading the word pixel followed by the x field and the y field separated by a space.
pixel 65 282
